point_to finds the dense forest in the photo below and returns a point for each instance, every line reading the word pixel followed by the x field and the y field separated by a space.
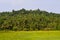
pixel 29 20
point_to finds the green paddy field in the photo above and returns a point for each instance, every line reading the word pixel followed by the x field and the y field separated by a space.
pixel 30 35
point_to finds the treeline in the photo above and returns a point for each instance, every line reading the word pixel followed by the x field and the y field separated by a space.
pixel 29 20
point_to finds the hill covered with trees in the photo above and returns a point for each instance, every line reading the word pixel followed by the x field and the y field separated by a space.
pixel 29 20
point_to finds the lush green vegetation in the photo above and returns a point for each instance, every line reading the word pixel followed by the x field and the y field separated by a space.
pixel 30 35
pixel 29 20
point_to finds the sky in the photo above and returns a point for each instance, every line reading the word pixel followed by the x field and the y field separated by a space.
pixel 46 5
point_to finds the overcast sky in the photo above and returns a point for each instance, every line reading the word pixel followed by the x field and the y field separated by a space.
pixel 48 5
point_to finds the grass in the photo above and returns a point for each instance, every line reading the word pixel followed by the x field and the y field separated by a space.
pixel 30 35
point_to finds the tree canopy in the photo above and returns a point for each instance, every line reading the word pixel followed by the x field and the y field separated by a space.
pixel 29 20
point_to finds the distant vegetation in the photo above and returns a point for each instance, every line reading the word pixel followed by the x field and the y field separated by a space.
pixel 29 20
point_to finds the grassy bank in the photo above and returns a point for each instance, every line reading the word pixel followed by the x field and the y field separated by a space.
pixel 30 35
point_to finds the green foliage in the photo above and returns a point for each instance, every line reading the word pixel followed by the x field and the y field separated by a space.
pixel 29 20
